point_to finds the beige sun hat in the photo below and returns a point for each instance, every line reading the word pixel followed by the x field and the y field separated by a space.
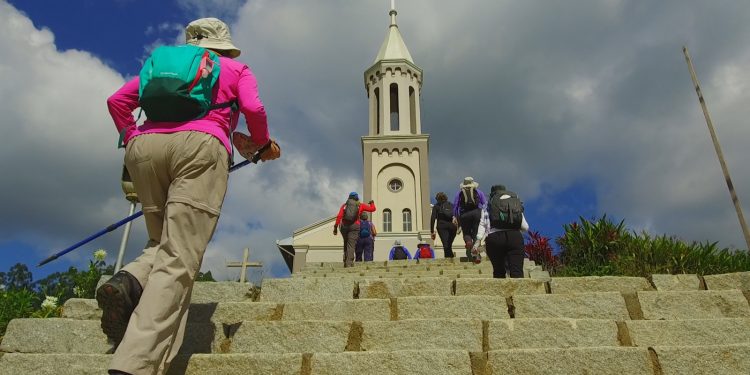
pixel 469 182
pixel 211 33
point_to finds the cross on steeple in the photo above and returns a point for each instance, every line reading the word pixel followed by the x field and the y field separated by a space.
pixel 244 264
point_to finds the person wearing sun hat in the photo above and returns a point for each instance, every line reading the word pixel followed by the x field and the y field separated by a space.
pixel 348 220
pixel 467 210
pixel 179 171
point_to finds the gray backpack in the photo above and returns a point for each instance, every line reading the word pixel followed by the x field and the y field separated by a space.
pixel 351 211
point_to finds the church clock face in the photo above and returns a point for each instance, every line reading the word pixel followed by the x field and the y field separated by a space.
pixel 395 185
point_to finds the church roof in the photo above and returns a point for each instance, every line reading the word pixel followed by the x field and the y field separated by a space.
pixel 393 47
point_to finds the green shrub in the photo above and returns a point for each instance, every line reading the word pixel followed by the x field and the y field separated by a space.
pixel 601 247
pixel 591 247
pixel 16 303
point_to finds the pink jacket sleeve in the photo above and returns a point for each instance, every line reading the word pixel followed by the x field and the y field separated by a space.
pixel 122 104
pixel 252 107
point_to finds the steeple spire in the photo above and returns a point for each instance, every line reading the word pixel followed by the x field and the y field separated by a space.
pixel 393 13
pixel 393 47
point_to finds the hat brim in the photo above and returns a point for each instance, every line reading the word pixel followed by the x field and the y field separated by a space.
pixel 226 47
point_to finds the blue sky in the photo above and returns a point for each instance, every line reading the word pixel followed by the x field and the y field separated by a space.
pixel 584 108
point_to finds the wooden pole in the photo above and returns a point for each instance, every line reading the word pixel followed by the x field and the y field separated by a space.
pixel 717 147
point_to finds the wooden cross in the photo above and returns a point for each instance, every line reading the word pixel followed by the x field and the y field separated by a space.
pixel 244 264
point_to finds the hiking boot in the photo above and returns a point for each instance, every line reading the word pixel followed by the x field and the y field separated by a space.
pixel 476 256
pixel 117 298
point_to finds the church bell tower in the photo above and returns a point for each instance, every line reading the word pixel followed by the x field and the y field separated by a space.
pixel 395 152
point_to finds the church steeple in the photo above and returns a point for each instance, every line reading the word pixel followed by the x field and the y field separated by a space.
pixel 393 86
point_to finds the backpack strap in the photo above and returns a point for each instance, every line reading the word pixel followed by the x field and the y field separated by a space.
pixel 231 104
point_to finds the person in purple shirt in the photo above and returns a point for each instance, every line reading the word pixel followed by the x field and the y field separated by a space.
pixel 467 210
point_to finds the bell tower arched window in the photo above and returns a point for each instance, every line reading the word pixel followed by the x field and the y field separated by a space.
pixel 394 107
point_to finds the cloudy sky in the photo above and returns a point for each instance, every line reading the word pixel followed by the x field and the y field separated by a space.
pixel 583 107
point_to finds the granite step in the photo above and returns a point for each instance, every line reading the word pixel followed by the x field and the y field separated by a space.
pixel 661 360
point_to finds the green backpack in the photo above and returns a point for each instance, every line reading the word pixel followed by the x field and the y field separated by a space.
pixel 177 82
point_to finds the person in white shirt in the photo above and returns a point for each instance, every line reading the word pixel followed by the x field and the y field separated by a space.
pixel 503 240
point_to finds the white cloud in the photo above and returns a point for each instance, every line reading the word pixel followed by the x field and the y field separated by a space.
pixel 540 97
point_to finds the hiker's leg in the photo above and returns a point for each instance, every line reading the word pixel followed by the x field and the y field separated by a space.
pixel 343 229
pixel 352 234
pixel 147 164
pixel 156 329
pixel 493 245
pixel 474 217
pixel 515 253
pixel 358 249
pixel 447 239
pixel 368 249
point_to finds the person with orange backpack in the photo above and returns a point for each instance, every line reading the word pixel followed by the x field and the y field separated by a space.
pixel 348 220
pixel 424 251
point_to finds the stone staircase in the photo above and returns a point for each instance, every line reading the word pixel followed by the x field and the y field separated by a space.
pixel 429 317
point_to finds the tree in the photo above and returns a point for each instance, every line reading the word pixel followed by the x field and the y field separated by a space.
pixel 18 277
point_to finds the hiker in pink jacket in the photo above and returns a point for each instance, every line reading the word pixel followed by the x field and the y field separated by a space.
pixel 180 171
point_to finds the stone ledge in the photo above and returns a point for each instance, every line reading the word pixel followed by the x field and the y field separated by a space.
pixel 551 333
pixel 390 288
pixel 357 309
pixel 676 282
pixel 414 362
pixel 499 287
pixel 462 334
pixel 693 332
pixel 587 284
pixel 289 337
pixel 611 360
pixel 707 359
pixel 306 290
pixel 474 307
pixel 602 305
pixel 700 304
pixel 736 280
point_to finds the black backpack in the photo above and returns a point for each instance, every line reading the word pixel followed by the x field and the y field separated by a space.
pixel 399 253
pixel 445 211
pixel 468 203
pixel 505 213
pixel 351 211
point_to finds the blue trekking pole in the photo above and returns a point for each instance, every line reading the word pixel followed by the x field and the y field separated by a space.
pixel 138 214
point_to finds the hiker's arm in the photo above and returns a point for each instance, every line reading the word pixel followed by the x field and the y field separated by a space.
pixel 433 218
pixel 369 207
pixel 121 106
pixel 456 200
pixel 483 229
pixel 339 216
pixel 482 199
pixel 373 229
pixel 252 107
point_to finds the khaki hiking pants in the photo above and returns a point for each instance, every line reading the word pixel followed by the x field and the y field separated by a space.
pixel 181 180
pixel 350 233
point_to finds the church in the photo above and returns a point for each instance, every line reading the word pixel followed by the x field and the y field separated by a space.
pixel 395 156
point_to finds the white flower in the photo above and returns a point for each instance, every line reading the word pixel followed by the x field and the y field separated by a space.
pixel 49 302
pixel 78 291
pixel 100 254
pixel 2 287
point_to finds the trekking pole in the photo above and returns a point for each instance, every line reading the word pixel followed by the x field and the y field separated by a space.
pixel 132 196
pixel 138 214
pixel 717 148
